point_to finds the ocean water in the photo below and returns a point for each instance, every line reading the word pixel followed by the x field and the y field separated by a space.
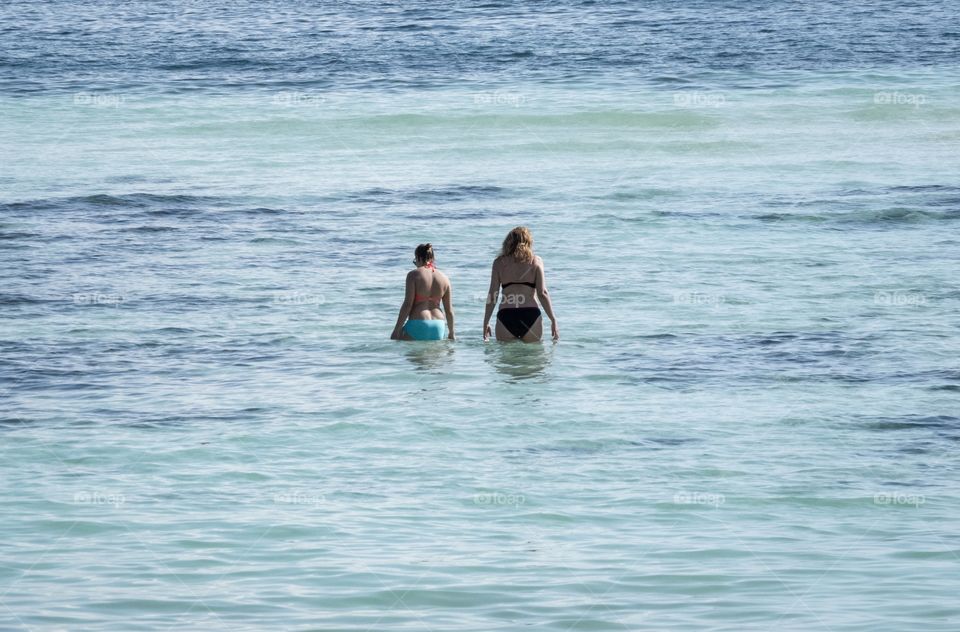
pixel 748 214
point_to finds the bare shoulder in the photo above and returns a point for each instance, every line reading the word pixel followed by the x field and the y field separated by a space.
pixel 538 261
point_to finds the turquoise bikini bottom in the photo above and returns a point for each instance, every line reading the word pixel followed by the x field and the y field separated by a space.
pixel 426 329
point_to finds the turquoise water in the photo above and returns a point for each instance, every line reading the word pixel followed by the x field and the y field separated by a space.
pixel 750 421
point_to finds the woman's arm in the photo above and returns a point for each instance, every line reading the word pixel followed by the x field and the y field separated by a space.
pixel 404 308
pixel 448 311
pixel 492 292
pixel 544 295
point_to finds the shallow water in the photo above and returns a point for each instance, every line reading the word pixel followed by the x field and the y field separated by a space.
pixel 751 418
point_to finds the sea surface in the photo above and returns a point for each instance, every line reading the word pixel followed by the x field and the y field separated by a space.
pixel 749 216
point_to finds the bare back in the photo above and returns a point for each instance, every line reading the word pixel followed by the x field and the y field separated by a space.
pixel 428 283
pixel 510 271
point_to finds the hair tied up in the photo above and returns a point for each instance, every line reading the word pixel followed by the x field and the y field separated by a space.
pixel 424 253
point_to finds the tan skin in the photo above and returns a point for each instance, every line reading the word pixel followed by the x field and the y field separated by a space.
pixel 507 270
pixel 425 282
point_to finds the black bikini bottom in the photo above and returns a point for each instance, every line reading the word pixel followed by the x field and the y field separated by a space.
pixel 518 320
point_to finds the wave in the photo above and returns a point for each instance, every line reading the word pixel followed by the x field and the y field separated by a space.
pixel 305 122
pixel 444 193
pixel 914 422
pixel 106 200
pixel 667 119
pixel 21 299
pixel 895 215
pixel 638 194
pixel 894 204
pixel 149 229
pixel 18 235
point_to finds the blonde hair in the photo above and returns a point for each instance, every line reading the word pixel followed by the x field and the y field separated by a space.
pixel 518 244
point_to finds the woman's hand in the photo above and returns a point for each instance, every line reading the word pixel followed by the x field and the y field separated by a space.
pixel 487 332
pixel 554 330
pixel 394 335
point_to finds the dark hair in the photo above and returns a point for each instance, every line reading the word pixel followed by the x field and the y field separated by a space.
pixel 424 253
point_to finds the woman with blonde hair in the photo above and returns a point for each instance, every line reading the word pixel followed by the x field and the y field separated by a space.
pixel 420 317
pixel 520 270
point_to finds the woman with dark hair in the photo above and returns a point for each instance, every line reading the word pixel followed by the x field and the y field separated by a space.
pixel 520 270
pixel 420 317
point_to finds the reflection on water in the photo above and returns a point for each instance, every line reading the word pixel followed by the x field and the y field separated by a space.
pixel 519 361
pixel 429 355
